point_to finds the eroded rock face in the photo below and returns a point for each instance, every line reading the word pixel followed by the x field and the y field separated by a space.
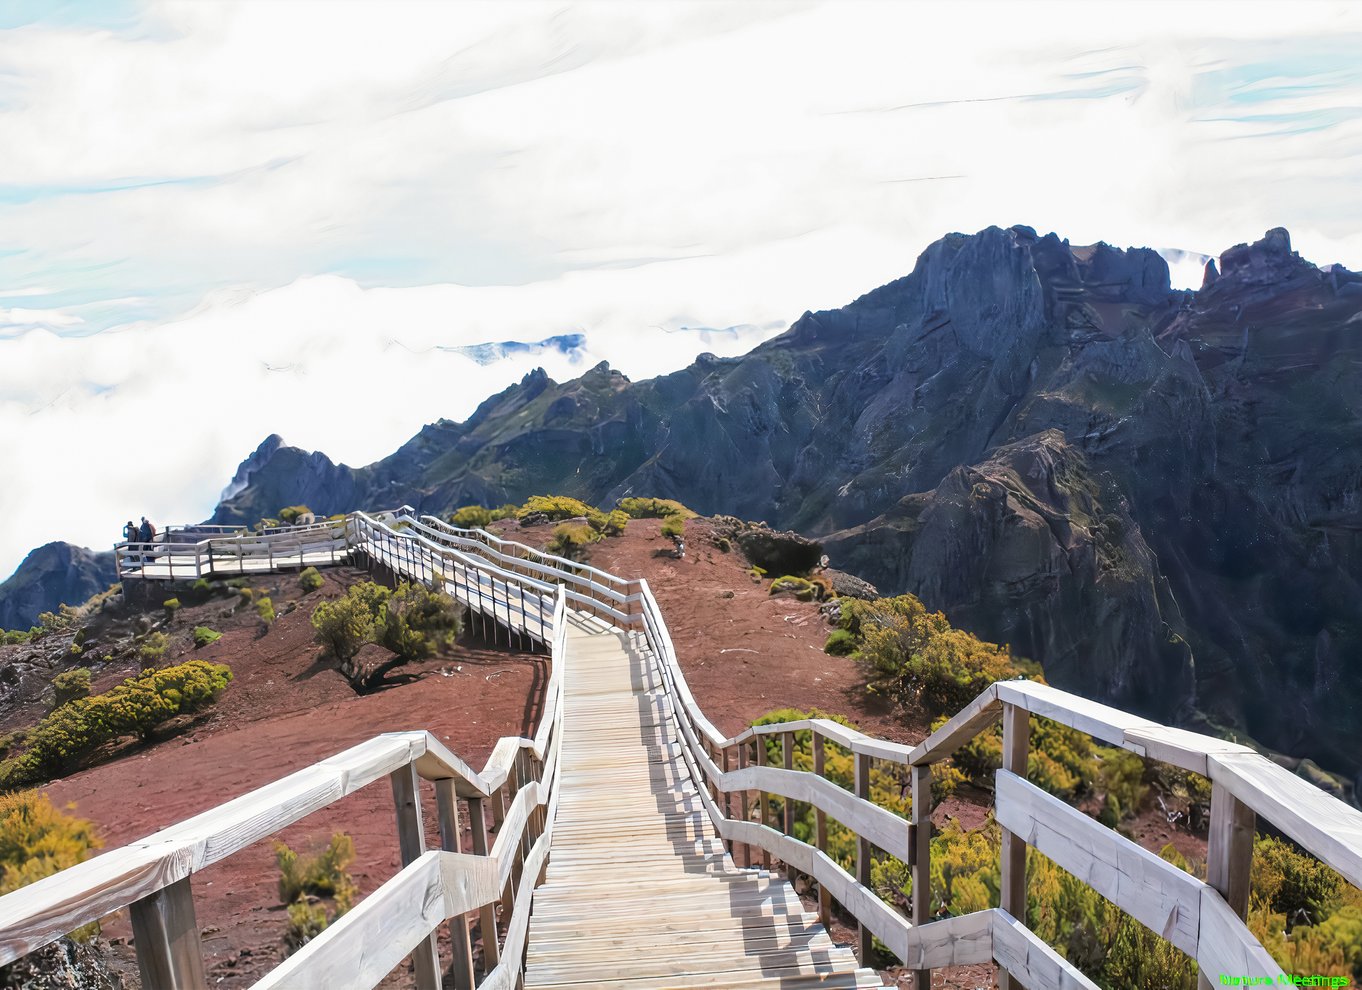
pixel 777 553
pixel 1215 434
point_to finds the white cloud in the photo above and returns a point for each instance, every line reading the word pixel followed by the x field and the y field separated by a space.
pixel 490 172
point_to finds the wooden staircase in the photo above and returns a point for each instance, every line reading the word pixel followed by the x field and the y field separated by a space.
pixel 640 893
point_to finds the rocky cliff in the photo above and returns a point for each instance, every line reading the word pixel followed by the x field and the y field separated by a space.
pixel 52 575
pixel 1153 492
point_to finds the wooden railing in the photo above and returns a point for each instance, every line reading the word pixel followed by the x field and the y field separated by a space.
pixel 515 584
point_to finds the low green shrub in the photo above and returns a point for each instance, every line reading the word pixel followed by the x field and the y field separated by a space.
pixel 471 517
pixel 153 646
pixel 723 544
pixel 417 622
pixel 615 524
pixel 171 605
pixel 15 637
pixel 343 626
pixel 756 573
pixel 71 685
pixel 322 874
pixel 264 607
pixel 840 643
pixel 201 588
pixel 305 922
pixel 653 508
pixel 203 636
pixel 570 540
pixel 61 742
pixel 674 527
pixel 507 511
pixel 310 579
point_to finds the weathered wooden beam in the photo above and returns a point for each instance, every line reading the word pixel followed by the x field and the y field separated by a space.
pixel 451 840
pixel 477 827
pixel 863 850
pixel 1229 855
pixel 820 825
pixel 166 936
pixel 1016 745
pixel 411 841
pixel 920 846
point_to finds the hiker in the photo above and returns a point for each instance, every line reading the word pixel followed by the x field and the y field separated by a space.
pixel 146 532
pixel 130 532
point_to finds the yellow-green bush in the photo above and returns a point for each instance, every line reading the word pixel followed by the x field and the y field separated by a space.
pixel 506 511
pixel 345 624
pixel 471 517
pixel 322 875
pixel 264 607
pixel 840 643
pixel 557 508
pixel 203 636
pixel 674 527
pixel 570 540
pixel 65 738
pixel 37 839
pixel 153 646
pixel 915 658
pixel 413 621
pixel 290 514
pixel 615 524
pixel 801 588
pixel 171 605
pixel 653 508
pixel 310 579
pixel 70 685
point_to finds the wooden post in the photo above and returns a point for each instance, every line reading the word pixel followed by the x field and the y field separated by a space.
pixel 461 967
pixel 166 936
pixel 746 806
pixel 1016 743
pixel 820 820
pixel 863 935
pixel 1229 853
pixel 411 840
pixel 920 847
pixel 728 800
pixel 787 758
pixel 491 949
pixel 759 759
pixel 499 800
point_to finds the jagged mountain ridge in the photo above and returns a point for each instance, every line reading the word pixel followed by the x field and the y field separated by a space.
pixel 1153 492
pixel 49 576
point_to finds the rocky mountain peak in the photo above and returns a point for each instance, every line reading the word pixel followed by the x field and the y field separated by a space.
pixel 1264 261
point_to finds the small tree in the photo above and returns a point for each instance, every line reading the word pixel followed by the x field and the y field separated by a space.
pixel 344 625
pixel 570 540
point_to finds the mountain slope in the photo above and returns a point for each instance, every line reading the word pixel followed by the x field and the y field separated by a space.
pixel 1153 492
pixel 52 575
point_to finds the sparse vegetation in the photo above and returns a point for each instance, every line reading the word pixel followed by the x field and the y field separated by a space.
pixel 264 607
pixel 37 839
pixel 674 527
pixel 801 588
pixel 153 646
pixel 304 880
pixel 204 636
pixel 570 540
pixel 70 685
pixel 555 508
pixel 310 579
pixel 171 605
pixel 64 739
pixel 756 573
pixel 653 508
pixel 615 523
pixel 471 517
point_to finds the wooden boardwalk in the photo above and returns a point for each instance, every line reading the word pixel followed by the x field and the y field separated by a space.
pixel 639 892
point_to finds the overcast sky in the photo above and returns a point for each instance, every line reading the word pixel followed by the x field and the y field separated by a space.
pixel 219 221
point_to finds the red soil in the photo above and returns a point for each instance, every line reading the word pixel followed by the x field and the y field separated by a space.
pixel 744 654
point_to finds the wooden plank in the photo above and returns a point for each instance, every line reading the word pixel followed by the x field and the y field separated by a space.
pixel 1154 892
pixel 1033 963
pixel 1227 946
pixel 1321 823
pixel 1229 848
pixel 166 936
pixel 1178 746
pixel 1099 721
pixel 978 715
